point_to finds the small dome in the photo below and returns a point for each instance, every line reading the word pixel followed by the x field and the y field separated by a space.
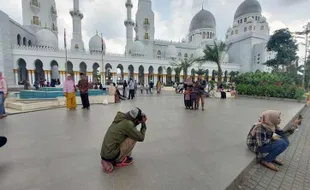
pixel 235 24
pixel 95 44
pixel 250 20
pixel 203 19
pixel 46 38
pixel 263 19
pixel 247 7
pixel 171 51
pixel 137 48
pixel 199 53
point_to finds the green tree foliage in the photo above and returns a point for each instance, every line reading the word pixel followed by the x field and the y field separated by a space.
pixel 215 54
pixel 183 65
pixel 283 43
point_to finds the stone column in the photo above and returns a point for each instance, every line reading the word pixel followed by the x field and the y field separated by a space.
pixel 16 76
pixel 114 77
pixel 32 76
pixel 173 77
pixel 164 78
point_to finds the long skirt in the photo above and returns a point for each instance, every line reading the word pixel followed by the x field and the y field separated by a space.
pixel 71 100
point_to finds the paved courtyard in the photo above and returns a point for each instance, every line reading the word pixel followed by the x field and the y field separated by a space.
pixel 183 149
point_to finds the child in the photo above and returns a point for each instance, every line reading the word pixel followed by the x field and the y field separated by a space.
pixel 147 88
pixel 187 98
pixel 233 92
pixel 194 95
pixel 141 88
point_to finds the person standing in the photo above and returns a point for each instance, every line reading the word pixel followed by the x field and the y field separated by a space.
pixel 131 89
pixel 124 88
pixel 3 95
pixel 136 86
pixel 83 87
pixel 201 85
pixel 151 86
pixel 121 138
pixel 70 93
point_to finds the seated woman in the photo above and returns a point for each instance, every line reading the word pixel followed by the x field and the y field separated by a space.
pixel 261 140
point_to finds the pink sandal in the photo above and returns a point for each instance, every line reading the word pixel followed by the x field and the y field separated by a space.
pixel 107 166
pixel 127 161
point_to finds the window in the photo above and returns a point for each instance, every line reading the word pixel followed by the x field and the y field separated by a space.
pixel 24 41
pixel 208 35
pixel 146 36
pixel 180 54
pixel 190 39
pixel 159 54
pixel 262 28
pixel 18 39
pixel 245 29
pixel 236 31
pixel 245 19
pixel 241 21
pixel 203 35
pixel 226 36
pixel 35 20
pixel 29 43
pixel 185 55
pixel 232 33
pixel 146 21
pixel 250 27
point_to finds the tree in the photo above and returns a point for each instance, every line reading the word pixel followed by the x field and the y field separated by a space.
pixel 215 54
pixel 177 71
pixel 184 65
pixel 283 43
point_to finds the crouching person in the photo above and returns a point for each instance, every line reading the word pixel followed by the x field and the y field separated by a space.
pixel 121 138
pixel 261 140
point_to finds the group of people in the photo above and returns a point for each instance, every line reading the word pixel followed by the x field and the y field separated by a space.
pixel 194 93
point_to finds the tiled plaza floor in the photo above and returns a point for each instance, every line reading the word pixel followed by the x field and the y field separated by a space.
pixel 295 174
pixel 183 149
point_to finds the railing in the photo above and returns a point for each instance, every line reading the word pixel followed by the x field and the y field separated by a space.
pixel 35 3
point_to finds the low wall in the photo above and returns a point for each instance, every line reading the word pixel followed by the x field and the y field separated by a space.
pixel 92 100
pixel 272 98
pixel 47 93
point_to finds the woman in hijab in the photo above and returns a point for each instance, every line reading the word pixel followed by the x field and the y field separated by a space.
pixel 69 92
pixel 112 91
pixel 261 140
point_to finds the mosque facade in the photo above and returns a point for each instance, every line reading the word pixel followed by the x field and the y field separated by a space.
pixel 30 51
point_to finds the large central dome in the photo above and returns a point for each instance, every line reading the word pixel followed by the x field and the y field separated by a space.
pixel 203 19
pixel 248 6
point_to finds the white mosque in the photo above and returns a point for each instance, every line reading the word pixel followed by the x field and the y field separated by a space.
pixel 30 51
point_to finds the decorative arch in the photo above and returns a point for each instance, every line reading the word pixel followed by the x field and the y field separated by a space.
pixel 158 54
pixel 207 75
pixel 180 54
pixel 225 76
pixel 24 41
pixel 192 55
pixel 55 72
pixel 151 73
pixel 160 73
pixel 131 71
pixel 39 74
pixel 108 73
pixel 169 76
pixel 203 35
pixel 18 39
pixel 120 73
pixel 29 43
pixel 96 73
pixel 193 73
pixel 70 68
pixel 186 55
pixel 83 68
pixel 22 71
pixel 141 74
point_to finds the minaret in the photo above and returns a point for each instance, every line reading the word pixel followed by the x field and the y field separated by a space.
pixel 129 26
pixel 77 41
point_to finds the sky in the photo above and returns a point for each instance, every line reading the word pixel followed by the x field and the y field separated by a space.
pixel 172 17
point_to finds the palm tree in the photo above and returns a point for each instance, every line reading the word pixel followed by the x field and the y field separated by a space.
pixel 215 54
pixel 177 71
pixel 184 65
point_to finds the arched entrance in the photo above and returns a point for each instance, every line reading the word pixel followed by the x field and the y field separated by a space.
pixel 151 73
pixel 169 76
pixel 22 71
pixel 108 74
pixel 83 68
pixel 130 72
pixel 120 73
pixel 55 76
pixel 70 69
pixel 160 74
pixel 39 72
pixel 96 73
pixel 141 74
pixel 177 74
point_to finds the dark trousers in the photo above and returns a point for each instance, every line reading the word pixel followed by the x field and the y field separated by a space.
pixel 85 100
pixel 3 141
pixel 188 104
pixel 131 94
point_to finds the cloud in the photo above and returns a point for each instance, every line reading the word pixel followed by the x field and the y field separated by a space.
pixel 172 17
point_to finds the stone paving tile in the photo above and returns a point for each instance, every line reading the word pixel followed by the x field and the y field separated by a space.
pixel 295 174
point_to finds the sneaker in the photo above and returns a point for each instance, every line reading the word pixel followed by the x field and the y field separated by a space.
pixel 127 161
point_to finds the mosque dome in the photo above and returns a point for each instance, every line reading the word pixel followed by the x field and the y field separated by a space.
pixel 247 7
pixel 171 51
pixel 203 19
pixel 199 53
pixel 95 44
pixel 137 48
pixel 46 38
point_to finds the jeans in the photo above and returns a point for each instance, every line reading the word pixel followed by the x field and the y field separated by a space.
pixel 274 149
pixel 85 100
pixel 2 108
pixel 131 94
